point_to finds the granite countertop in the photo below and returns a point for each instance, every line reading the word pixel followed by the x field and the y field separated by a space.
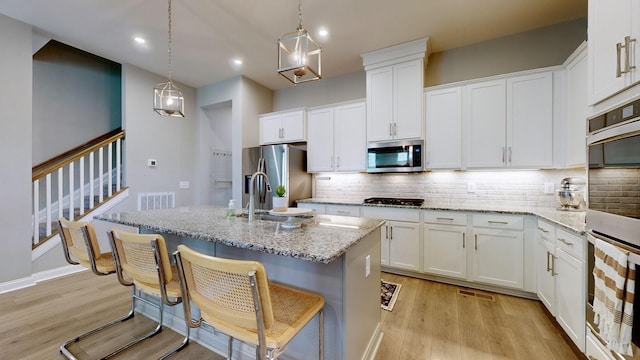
pixel 321 238
pixel 571 220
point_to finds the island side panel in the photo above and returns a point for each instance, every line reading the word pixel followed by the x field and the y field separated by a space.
pixel 362 298
pixel 325 279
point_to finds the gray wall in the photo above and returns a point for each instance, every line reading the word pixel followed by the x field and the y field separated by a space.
pixel 15 145
pixel 87 101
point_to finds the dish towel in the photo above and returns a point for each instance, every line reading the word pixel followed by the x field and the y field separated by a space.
pixel 614 319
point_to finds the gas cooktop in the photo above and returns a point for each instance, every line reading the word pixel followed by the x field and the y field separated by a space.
pixel 394 201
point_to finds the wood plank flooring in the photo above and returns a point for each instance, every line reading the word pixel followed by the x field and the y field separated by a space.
pixel 430 321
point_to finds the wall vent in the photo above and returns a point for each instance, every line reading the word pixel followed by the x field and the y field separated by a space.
pixel 157 200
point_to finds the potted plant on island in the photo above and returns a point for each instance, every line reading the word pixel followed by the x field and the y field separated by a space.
pixel 280 202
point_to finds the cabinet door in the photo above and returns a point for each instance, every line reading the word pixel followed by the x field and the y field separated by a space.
pixel 445 250
pixel 498 257
pixel 530 120
pixel 384 244
pixel 545 279
pixel 575 153
pixel 444 128
pixel 379 103
pixel 407 99
pixel 609 23
pixel 293 126
pixel 570 304
pixel 350 137
pixel 320 142
pixel 271 129
pixel 485 112
pixel 404 245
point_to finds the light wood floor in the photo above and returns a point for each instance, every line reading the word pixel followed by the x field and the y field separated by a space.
pixel 429 321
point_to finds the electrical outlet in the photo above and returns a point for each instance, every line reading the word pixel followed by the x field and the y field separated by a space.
pixel 548 188
pixel 471 187
pixel 184 184
pixel 152 162
pixel 367 266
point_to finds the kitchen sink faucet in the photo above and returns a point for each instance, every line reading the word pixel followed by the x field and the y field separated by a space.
pixel 252 207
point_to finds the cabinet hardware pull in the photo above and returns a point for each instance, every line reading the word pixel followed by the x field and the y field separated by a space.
pixel 338 162
pixel 510 153
pixel 592 358
pixel 386 229
pixel 395 128
pixel 564 241
pixel 553 265
pixel 464 245
pixel 498 222
pixel 342 212
pixel 447 219
pixel 548 253
pixel 476 241
pixel 618 70
pixel 543 229
pixel 391 232
pixel 391 124
pixel 503 153
pixel 627 53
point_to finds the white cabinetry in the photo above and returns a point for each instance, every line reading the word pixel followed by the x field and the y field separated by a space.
pixel 613 35
pixel 575 129
pixel 400 236
pixel 595 350
pixel 283 127
pixel 510 122
pixel 394 101
pixel 343 210
pixel 498 250
pixel 444 128
pixel 445 243
pixel 561 278
pixel 317 208
pixel 337 138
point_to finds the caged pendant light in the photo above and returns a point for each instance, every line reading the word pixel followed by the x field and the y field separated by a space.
pixel 299 57
pixel 167 98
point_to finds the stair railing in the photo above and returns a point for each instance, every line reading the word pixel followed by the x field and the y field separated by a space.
pixel 70 185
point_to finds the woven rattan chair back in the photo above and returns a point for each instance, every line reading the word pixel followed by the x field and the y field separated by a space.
pixel 74 242
pixel 137 257
pixel 221 288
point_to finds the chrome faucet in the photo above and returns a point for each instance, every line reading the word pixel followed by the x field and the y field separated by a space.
pixel 252 206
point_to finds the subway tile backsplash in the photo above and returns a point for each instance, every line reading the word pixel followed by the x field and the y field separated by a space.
pixel 512 188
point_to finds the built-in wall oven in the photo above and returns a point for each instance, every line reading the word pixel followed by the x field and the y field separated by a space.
pixel 613 197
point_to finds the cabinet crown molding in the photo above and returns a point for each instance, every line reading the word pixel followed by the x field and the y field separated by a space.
pixel 416 49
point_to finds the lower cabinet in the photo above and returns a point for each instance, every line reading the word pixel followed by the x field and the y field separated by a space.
pixel 444 237
pixel 498 250
pixel 400 236
pixel 595 350
pixel 561 279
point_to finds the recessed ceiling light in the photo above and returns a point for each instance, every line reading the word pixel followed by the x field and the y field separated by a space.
pixel 139 40
pixel 323 32
pixel 237 61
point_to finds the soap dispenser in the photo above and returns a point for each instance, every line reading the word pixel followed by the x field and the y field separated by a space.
pixel 231 209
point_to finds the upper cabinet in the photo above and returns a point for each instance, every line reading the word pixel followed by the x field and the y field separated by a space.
pixel 575 126
pixel 337 138
pixel 395 78
pixel 510 122
pixel 283 127
pixel 444 128
pixel 613 35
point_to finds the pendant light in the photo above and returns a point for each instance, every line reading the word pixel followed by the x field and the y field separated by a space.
pixel 299 57
pixel 167 98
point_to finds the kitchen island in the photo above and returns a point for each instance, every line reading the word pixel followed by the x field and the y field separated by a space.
pixel 338 257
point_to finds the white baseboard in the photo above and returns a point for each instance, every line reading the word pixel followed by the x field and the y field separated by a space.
pixel 38 277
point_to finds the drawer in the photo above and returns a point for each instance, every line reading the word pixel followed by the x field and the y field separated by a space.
pixel 571 243
pixel 317 208
pixel 345 210
pixel 493 221
pixel 595 349
pixel 546 231
pixel 444 217
pixel 385 213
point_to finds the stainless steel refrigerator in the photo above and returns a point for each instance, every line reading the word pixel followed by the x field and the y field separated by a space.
pixel 284 165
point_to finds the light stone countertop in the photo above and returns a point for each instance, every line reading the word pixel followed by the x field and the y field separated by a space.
pixel 571 220
pixel 321 238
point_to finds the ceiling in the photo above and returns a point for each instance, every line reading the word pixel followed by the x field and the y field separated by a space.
pixel 207 34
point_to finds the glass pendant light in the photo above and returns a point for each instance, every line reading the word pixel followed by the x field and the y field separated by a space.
pixel 167 98
pixel 299 57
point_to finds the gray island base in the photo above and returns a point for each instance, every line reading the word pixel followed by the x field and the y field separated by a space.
pixel 338 257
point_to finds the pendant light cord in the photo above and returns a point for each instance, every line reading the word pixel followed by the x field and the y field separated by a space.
pixel 300 16
pixel 169 47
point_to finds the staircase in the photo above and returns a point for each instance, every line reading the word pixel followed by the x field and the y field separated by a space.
pixel 76 183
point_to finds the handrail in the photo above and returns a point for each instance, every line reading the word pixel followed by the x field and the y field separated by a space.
pixel 41 170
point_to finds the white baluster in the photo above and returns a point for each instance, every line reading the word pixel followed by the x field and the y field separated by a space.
pixel 71 190
pixel 81 184
pixel 91 181
pixel 48 204
pixel 36 211
pixel 100 173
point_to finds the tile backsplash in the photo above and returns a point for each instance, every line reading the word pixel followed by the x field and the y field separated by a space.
pixel 513 188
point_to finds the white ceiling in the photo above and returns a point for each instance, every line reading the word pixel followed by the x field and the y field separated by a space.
pixel 208 33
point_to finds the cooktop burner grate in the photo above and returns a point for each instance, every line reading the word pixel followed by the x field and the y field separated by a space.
pixel 394 201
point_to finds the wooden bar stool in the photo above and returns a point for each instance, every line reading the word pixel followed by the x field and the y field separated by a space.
pixel 236 298
pixel 142 261
pixel 80 247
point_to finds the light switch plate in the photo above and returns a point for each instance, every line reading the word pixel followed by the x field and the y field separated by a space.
pixel 184 184
pixel 367 266
pixel 548 188
pixel 471 187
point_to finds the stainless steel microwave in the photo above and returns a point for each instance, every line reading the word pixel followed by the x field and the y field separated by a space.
pixel 395 156
pixel 613 196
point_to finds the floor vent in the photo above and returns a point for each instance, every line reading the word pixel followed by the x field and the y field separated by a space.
pixel 479 295
pixel 158 200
